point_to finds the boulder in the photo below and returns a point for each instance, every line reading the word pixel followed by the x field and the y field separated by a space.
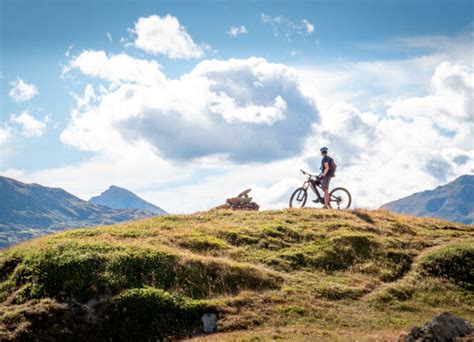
pixel 443 327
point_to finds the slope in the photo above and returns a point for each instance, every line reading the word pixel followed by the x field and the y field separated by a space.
pixel 311 273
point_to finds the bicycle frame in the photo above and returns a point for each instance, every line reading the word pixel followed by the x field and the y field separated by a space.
pixel 309 183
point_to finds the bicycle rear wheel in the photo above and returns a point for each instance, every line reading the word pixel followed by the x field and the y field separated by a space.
pixel 298 198
pixel 340 198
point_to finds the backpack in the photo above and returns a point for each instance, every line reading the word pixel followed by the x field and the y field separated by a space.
pixel 332 168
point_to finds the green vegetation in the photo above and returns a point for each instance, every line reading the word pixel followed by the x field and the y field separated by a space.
pixel 355 271
pixel 452 262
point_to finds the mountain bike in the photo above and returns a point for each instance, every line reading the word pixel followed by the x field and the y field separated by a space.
pixel 339 198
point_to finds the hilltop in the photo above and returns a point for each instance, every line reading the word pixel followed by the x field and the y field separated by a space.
pixel 119 198
pixel 453 201
pixel 294 274
pixel 29 210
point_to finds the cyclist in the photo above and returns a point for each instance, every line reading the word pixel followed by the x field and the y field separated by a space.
pixel 327 172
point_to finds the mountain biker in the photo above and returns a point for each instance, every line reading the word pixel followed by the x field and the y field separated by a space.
pixel 327 172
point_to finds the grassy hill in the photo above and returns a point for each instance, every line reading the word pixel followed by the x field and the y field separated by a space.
pixel 294 274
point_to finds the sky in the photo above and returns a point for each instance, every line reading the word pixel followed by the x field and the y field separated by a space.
pixel 187 103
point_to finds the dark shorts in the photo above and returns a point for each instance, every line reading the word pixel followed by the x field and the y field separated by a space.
pixel 325 182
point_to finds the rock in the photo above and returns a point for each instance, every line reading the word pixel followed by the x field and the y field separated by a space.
pixel 209 322
pixel 241 202
pixel 444 327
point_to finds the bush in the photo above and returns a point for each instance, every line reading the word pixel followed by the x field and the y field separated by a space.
pixel 342 252
pixel 149 314
pixel 455 263
pixel 395 265
pixel 84 271
pixel 203 243
pixel 237 238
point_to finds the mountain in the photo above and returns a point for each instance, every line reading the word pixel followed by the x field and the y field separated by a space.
pixel 294 275
pixel 120 198
pixel 28 210
pixel 453 201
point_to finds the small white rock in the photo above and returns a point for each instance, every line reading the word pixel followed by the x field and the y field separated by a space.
pixel 209 321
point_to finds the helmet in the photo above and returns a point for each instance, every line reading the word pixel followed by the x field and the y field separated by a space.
pixel 324 149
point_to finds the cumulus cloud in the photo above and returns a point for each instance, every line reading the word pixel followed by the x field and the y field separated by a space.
pixel 241 110
pixel 451 103
pixel 282 26
pixel 116 68
pixel 190 142
pixel 22 91
pixel 166 36
pixel 30 126
pixel 234 31
pixel 415 144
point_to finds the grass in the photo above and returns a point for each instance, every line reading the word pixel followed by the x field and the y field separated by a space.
pixel 305 273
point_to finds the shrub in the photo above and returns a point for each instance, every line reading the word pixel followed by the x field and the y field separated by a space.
pixel 338 292
pixel 455 263
pixel 203 243
pixel 395 264
pixel 149 314
pixel 342 252
pixel 237 238
pixel 85 271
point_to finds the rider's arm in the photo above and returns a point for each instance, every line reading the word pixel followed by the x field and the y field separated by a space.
pixel 326 168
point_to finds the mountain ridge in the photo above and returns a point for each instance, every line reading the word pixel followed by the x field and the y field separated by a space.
pixel 116 197
pixel 29 210
pixel 453 201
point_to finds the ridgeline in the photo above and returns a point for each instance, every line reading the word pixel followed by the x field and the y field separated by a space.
pixel 293 274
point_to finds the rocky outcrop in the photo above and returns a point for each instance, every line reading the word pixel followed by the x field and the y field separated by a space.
pixel 241 202
pixel 444 327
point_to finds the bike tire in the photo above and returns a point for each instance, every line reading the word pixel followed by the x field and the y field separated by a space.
pixel 349 197
pixel 295 196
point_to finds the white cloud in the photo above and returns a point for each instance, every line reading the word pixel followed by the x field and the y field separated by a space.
pixel 240 110
pixel 309 26
pixel 22 91
pixel 282 26
pixel 188 143
pixel 68 51
pixel 234 31
pixel 415 144
pixel 30 126
pixel 165 35
pixel 109 37
pixel 116 68
pixel 451 104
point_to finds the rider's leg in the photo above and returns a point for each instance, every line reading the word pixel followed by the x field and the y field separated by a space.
pixel 325 186
pixel 326 198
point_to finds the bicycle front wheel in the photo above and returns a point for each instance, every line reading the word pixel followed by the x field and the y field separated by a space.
pixel 340 198
pixel 298 198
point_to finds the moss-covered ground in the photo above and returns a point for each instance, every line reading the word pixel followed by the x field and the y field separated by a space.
pixel 289 274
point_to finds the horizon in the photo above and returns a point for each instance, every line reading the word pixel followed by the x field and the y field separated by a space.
pixel 188 103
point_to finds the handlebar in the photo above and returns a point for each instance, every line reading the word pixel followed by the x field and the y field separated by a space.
pixel 308 174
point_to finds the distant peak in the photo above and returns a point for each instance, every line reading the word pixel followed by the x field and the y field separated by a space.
pixel 116 197
pixel 465 179
pixel 115 187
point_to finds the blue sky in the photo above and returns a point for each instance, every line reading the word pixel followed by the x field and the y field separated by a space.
pixel 354 59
